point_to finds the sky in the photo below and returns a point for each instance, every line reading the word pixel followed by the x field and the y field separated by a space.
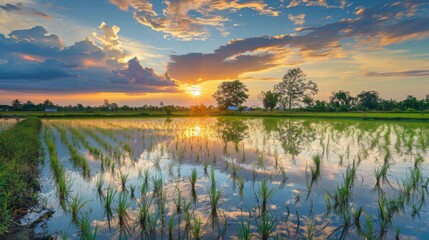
pixel 138 52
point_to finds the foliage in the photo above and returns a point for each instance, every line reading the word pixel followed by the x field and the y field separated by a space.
pixel 270 99
pixel 294 87
pixel 232 93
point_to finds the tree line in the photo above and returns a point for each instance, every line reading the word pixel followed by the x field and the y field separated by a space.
pixel 296 92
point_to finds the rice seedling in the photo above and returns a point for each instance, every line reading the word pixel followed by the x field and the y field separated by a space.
pixel 85 228
pixel 122 207
pixel 108 201
pixel 265 193
pixel 193 179
pixel 315 172
pixel 75 204
pixel 143 212
pixel 214 198
pixel 99 184
pixel 132 191
pixel 310 228
pixel 196 228
pixel 74 153
pixel 235 168
pixel 244 231
pixel 123 177
pixel 171 221
pixel 266 227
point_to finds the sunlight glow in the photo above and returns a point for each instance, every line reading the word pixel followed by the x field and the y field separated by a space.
pixel 194 90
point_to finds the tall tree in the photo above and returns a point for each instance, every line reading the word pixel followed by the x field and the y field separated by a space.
pixel 369 99
pixel 341 100
pixel 48 103
pixel 270 99
pixel 16 105
pixel 294 87
pixel 231 93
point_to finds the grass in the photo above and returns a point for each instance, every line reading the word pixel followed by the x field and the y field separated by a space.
pixel 19 158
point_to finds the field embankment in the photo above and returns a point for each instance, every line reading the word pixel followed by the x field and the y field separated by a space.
pixel 19 158
pixel 395 116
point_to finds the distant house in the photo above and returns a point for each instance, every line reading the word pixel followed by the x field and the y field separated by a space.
pixel 51 109
pixel 232 108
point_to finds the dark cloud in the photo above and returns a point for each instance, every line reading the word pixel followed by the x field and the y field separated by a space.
pixel 35 61
pixel 19 8
pixel 411 73
pixel 381 25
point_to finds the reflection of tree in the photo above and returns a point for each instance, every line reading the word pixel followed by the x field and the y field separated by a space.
pixel 295 135
pixel 270 124
pixel 232 131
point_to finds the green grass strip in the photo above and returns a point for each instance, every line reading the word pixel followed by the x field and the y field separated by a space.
pixel 19 158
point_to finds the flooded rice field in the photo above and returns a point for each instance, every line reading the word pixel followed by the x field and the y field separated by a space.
pixel 6 123
pixel 247 178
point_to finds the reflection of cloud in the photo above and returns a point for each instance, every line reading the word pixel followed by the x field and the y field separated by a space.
pixel 177 20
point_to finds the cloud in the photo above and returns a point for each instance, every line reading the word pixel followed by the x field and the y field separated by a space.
pixel 37 35
pixel 265 53
pixel 21 9
pixel 317 3
pixel 35 61
pixel 179 21
pixel 410 73
pixel 298 19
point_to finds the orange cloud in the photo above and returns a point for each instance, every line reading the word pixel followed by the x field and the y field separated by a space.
pixel 177 22
pixel 31 58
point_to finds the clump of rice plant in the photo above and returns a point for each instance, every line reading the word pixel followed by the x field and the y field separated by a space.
pixel 110 196
pixel 121 208
pixel 196 228
pixel 193 178
pixel 75 205
pixel 266 227
pixel 85 228
pixel 123 177
pixel 265 193
pixel 99 184
pixel 244 231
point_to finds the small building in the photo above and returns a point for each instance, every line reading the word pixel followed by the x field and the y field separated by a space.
pixel 51 109
pixel 232 108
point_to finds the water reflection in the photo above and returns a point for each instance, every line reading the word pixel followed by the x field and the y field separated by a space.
pixel 218 177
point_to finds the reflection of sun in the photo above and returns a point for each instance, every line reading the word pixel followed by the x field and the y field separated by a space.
pixel 194 90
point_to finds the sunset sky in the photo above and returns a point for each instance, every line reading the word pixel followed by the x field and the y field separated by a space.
pixel 139 52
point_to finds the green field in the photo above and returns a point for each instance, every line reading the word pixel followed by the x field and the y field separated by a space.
pixel 412 116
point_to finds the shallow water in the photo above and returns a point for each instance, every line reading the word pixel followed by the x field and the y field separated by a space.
pixel 306 200
pixel 7 123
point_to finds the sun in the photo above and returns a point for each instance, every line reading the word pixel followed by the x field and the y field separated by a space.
pixel 194 90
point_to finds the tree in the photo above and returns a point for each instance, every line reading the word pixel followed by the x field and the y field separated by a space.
pixel 294 87
pixel 48 103
pixel 341 100
pixel 16 105
pixel 270 99
pixel 369 99
pixel 309 101
pixel 231 93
